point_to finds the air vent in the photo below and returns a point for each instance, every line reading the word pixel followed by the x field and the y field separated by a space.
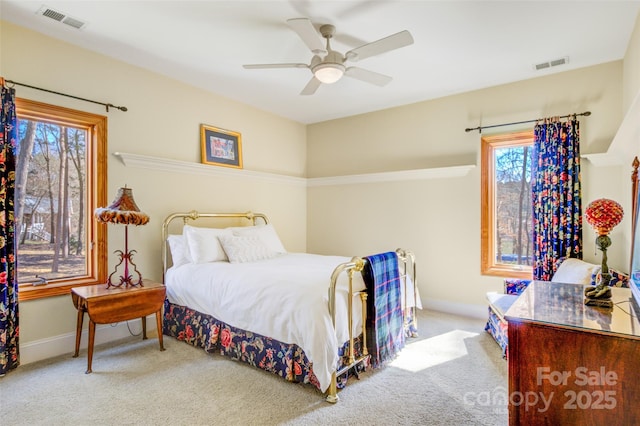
pixel 61 17
pixel 549 64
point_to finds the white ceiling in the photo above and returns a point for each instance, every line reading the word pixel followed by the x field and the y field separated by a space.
pixel 459 45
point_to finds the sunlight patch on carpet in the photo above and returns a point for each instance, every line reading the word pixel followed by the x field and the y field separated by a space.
pixel 435 350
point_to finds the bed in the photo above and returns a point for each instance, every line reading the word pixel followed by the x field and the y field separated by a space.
pixel 307 318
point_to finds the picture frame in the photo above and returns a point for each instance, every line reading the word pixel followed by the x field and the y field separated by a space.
pixel 220 147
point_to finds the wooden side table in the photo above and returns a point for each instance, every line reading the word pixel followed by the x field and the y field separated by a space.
pixel 106 306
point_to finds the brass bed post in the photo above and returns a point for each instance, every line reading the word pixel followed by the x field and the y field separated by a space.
pixel 352 357
pixel 356 265
pixel 405 256
pixel 363 298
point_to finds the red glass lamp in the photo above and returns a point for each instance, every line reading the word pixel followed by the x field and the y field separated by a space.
pixel 603 215
pixel 124 211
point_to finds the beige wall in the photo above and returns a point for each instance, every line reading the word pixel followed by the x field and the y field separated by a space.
pixel 162 120
pixel 439 219
pixel 631 71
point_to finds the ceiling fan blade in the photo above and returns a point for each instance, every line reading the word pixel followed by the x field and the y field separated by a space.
pixel 306 31
pixel 394 41
pixel 368 76
pixel 266 66
pixel 311 87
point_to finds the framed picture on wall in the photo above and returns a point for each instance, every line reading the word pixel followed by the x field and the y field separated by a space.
pixel 220 147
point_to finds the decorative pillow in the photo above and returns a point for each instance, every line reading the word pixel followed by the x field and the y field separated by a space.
pixel 575 271
pixel 204 245
pixel 179 250
pixel 247 248
pixel 515 285
pixel 618 279
pixel 266 233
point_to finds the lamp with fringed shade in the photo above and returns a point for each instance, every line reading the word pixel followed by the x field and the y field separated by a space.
pixel 603 215
pixel 123 211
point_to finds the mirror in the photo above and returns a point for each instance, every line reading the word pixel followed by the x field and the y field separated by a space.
pixel 634 269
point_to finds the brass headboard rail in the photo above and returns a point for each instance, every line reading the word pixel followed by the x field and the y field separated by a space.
pixel 194 215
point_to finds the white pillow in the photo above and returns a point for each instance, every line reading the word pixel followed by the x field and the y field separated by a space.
pixel 575 271
pixel 245 248
pixel 204 245
pixel 179 250
pixel 266 233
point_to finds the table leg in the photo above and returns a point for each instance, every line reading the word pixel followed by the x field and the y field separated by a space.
pixel 92 336
pixel 159 327
pixel 78 331
pixel 144 328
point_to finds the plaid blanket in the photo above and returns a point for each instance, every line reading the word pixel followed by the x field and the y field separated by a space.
pixel 385 332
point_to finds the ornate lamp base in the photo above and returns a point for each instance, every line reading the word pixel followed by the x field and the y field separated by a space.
pixel 126 279
pixel 600 295
pixel 602 303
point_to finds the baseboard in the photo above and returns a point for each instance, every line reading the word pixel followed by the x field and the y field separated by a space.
pixel 65 343
pixel 462 309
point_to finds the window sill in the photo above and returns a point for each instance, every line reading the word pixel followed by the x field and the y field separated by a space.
pixel 509 272
pixel 31 292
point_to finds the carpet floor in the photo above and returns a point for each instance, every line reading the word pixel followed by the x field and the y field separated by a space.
pixel 452 374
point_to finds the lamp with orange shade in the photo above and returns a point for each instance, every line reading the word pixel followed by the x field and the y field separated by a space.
pixel 603 215
pixel 123 211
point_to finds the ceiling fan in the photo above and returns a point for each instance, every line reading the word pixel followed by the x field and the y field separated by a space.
pixel 327 65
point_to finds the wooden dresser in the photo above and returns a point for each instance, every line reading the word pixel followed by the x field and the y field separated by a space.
pixel 570 363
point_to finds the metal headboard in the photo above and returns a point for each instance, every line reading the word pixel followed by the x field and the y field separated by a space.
pixel 194 215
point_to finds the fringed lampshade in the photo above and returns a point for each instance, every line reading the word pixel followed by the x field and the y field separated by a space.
pixel 123 211
pixel 603 215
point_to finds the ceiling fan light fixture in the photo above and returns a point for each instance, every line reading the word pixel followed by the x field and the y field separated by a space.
pixel 329 73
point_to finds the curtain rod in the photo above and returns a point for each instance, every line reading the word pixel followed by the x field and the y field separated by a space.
pixel 479 128
pixel 121 108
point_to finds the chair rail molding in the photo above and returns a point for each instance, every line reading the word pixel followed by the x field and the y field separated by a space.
pixel 404 175
pixel 177 166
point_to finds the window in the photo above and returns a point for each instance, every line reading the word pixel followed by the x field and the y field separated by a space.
pixel 506 234
pixel 60 180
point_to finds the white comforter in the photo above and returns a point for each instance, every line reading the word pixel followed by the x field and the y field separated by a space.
pixel 285 298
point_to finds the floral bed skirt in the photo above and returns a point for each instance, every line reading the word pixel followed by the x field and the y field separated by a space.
pixel 214 336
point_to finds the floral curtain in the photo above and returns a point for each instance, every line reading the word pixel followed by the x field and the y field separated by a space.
pixel 556 192
pixel 9 350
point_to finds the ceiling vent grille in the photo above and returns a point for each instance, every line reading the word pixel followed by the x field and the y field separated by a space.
pixel 61 17
pixel 553 63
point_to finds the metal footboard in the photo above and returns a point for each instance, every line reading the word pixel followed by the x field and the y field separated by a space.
pixel 408 271
pixel 407 267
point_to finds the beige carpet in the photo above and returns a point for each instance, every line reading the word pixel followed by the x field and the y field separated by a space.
pixel 453 374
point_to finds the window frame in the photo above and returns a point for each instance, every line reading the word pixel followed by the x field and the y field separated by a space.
pixel 96 193
pixel 488 209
